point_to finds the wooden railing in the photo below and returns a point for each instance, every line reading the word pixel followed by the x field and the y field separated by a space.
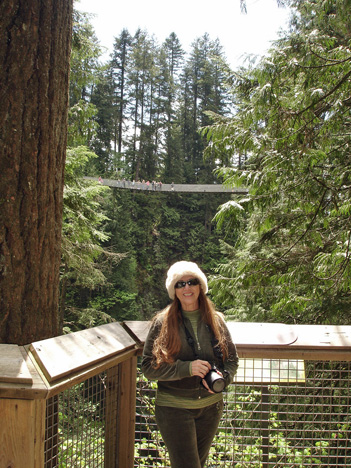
pixel 36 381
pixel 34 375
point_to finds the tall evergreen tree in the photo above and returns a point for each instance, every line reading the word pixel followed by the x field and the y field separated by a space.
pixel 35 43
pixel 85 260
pixel 85 75
pixel 119 69
pixel 102 103
pixel 84 59
pixel 140 83
pixel 202 92
pixel 292 260
pixel 171 62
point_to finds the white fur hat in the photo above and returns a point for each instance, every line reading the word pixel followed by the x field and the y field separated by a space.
pixel 183 268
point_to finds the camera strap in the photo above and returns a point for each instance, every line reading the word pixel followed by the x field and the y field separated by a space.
pixel 214 342
pixel 190 341
pixel 216 349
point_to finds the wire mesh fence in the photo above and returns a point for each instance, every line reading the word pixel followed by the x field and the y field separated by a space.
pixel 278 413
pixel 81 424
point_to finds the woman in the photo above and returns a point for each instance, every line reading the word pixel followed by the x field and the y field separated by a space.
pixel 185 340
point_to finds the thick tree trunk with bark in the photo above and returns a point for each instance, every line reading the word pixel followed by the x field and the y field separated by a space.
pixel 35 42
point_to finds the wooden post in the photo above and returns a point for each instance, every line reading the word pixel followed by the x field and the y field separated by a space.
pixel 126 413
pixel 111 417
pixel 22 411
pixel 22 433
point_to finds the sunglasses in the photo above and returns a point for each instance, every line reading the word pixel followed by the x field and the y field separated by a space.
pixel 191 282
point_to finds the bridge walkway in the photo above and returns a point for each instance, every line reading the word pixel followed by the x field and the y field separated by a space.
pixel 158 187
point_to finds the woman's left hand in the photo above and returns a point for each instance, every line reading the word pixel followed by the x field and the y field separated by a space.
pixel 204 383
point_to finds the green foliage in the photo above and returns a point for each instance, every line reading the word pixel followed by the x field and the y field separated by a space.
pixel 79 318
pixel 81 244
pixel 141 115
pixel 291 259
pixel 154 230
pixel 81 125
pixel 151 104
pixel 287 244
pixel 84 58
pixel 84 259
pixel 117 303
pixel 81 431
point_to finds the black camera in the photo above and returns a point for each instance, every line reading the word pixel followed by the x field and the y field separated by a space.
pixel 214 380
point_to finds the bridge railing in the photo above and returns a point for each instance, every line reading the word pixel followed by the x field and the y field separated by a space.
pixel 79 400
pixel 158 187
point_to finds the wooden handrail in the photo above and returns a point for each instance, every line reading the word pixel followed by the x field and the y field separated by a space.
pixel 30 375
pixel 275 340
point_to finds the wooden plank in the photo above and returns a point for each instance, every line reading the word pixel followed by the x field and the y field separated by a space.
pixel 26 391
pixel 262 334
pixel 324 342
pixel 137 329
pixel 79 376
pixel 126 413
pixel 13 367
pixel 291 352
pixel 22 433
pixel 323 336
pixel 242 332
pixel 66 354
pixel 111 420
pixel 39 433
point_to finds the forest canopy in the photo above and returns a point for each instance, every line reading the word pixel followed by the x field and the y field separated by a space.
pixel 279 126
pixel 291 258
pixel 137 117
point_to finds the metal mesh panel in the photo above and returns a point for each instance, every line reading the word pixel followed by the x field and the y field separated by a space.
pixel 286 413
pixel 81 422
pixel 149 448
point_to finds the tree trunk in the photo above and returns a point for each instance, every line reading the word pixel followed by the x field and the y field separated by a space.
pixel 35 40
pixel 121 104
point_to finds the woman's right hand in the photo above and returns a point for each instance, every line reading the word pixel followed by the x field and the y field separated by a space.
pixel 200 368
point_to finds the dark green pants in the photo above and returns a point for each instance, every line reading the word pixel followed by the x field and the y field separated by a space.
pixel 188 433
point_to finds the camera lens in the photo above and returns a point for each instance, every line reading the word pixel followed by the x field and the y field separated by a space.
pixel 218 385
pixel 215 382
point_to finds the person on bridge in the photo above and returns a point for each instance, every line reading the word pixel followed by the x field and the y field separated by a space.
pixel 189 351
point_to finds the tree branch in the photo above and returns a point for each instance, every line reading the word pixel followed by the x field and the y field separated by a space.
pixel 343 79
pixel 302 235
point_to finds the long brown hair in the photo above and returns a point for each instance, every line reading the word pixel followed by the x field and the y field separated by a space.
pixel 167 344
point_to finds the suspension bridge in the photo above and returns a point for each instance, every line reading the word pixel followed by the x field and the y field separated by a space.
pixel 159 187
